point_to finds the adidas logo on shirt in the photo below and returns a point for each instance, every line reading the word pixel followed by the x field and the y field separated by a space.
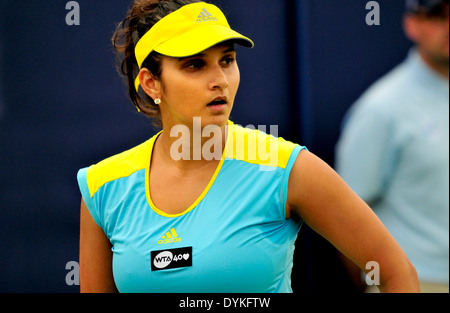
pixel 205 16
pixel 170 237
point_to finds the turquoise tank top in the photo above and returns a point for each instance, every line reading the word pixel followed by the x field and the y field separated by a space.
pixel 234 239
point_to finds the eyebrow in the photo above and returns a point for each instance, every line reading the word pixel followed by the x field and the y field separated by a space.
pixel 200 55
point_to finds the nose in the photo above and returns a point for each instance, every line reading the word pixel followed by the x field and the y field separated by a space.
pixel 219 79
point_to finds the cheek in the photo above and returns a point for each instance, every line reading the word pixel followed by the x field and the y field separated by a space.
pixel 434 34
pixel 178 88
pixel 234 80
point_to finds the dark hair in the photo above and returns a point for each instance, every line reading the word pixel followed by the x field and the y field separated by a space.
pixel 141 17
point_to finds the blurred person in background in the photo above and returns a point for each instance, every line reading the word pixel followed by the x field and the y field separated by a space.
pixel 394 146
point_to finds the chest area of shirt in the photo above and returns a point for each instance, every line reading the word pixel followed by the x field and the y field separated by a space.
pixel 169 255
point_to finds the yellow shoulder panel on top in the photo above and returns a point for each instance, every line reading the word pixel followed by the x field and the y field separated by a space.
pixel 119 166
pixel 256 147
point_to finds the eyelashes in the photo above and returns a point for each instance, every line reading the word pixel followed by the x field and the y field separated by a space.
pixel 195 64
pixel 198 64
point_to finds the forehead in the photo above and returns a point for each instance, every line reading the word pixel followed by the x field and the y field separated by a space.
pixel 218 51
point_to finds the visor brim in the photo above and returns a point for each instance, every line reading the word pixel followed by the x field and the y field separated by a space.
pixel 200 39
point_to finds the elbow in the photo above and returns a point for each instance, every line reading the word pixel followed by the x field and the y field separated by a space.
pixel 414 276
pixel 403 280
pixel 411 278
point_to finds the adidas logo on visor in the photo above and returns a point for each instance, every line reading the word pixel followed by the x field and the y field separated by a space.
pixel 205 16
pixel 170 237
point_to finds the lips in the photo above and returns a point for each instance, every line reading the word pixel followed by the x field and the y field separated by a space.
pixel 218 101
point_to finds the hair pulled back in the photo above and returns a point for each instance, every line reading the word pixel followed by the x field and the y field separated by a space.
pixel 141 17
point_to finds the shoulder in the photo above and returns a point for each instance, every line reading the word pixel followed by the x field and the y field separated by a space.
pixel 118 166
pixel 393 90
pixel 255 146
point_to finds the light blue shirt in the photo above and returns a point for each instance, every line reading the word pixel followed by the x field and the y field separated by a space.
pixel 394 152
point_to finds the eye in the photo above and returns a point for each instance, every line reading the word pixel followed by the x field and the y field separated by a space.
pixel 228 60
pixel 195 64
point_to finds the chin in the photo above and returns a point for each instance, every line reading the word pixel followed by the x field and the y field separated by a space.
pixel 220 121
pixel 215 119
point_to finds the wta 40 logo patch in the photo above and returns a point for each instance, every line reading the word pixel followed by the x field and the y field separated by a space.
pixel 169 259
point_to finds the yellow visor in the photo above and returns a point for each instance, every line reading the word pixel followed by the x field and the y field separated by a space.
pixel 186 32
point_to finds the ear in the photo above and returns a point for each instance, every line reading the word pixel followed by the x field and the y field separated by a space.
pixel 149 84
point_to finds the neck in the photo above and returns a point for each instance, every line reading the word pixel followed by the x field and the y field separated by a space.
pixel 439 65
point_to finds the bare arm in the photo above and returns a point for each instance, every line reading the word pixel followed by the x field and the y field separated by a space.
pixel 95 256
pixel 323 200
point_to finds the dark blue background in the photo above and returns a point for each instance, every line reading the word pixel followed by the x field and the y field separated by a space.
pixel 63 107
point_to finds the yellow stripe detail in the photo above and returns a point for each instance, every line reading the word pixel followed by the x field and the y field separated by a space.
pixel 168 235
pixel 118 166
pixel 255 147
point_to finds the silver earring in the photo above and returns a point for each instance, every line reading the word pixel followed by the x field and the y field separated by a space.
pixel 157 101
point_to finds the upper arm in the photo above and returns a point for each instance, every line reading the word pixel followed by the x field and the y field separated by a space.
pixel 95 256
pixel 330 207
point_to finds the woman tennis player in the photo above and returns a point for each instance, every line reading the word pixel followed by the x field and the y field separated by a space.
pixel 207 206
